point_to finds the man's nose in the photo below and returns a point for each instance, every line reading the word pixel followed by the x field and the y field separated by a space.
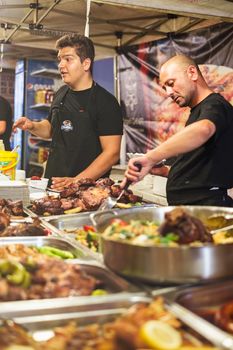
pixel 61 64
pixel 169 91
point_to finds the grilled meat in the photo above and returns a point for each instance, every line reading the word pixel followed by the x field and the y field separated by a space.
pixel 11 207
pixel 187 227
pixel 49 205
pixel 24 229
pixel 4 221
pixel 94 196
pixel 104 182
pixel 49 278
pixel 86 194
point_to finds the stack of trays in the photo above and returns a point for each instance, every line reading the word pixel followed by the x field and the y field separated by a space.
pixel 15 190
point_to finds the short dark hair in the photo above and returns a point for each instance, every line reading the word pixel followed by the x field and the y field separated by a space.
pixel 84 46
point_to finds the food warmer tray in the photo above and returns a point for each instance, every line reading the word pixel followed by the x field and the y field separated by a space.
pixel 58 224
pixel 56 242
pixel 111 283
pixel 30 213
pixel 102 310
pixel 205 299
pixel 161 264
pixel 27 220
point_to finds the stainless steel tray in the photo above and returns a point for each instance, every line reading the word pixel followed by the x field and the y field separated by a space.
pixel 41 241
pixel 200 299
pixel 159 264
pixel 29 212
pixel 28 220
pixel 43 314
pixel 58 224
pixel 110 282
pixel 67 221
pixel 102 310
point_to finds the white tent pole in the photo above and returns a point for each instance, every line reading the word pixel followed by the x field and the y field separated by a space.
pixel 86 31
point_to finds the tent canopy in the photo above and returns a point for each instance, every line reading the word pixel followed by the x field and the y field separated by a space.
pixel 30 28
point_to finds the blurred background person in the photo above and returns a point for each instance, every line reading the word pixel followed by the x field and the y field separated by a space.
pixel 6 122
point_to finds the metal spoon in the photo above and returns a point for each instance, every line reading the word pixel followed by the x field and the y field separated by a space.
pixel 110 202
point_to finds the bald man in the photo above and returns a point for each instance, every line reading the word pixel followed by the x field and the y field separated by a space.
pixel 203 170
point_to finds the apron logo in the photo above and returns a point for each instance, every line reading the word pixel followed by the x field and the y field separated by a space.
pixel 67 126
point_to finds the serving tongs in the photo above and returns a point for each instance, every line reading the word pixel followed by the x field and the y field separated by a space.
pixel 210 332
pixel 110 202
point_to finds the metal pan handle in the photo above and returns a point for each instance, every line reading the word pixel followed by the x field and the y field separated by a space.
pixel 99 217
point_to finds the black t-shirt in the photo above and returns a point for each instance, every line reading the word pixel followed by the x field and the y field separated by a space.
pixel 210 166
pixel 103 107
pixel 6 115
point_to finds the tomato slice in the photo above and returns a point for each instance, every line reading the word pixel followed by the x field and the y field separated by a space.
pixel 88 228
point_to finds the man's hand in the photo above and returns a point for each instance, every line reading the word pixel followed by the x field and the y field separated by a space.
pixel 59 183
pixel 133 174
pixel 23 123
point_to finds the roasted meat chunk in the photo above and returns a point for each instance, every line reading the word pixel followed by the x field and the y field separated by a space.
pixel 94 196
pixel 46 278
pixel 47 205
pixel 70 191
pixel 187 227
pixel 4 221
pixel 24 229
pixel 11 207
pixel 104 182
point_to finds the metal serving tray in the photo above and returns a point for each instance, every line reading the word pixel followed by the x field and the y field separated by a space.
pixel 27 220
pixel 205 299
pixel 102 310
pixel 110 282
pixel 161 264
pixel 58 224
pixel 69 221
pixel 56 242
pixel 29 212
pixel 85 310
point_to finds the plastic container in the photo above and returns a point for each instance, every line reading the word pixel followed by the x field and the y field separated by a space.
pixel 8 162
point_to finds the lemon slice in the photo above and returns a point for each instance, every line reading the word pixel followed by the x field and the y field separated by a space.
pixel 160 335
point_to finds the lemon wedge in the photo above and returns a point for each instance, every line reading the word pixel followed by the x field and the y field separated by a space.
pixel 160 335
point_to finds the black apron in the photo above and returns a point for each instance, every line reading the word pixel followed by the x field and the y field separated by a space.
pixel 75 142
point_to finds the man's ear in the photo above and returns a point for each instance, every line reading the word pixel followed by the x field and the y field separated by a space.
pixel 87 64
pixel 192 72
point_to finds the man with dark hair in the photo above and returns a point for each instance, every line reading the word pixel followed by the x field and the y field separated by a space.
pixel 85 120
pixel 203 170
pixel 6 122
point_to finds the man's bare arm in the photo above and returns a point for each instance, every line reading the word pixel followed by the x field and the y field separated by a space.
pixel 2 126
pixel 188 139
pixel 41 129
